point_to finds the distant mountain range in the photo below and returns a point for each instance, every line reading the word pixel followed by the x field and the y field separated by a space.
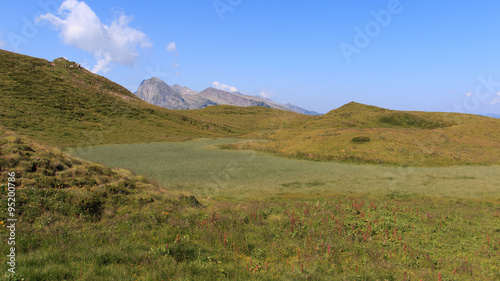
pixel 491 115
pixel 157 92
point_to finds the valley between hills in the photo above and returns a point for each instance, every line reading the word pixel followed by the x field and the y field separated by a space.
pixel 109 186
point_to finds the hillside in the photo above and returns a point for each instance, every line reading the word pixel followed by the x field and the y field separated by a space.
pixel 249 119
pixel 41 166
pixel 61 103
pixel 157 92
pixel 369 134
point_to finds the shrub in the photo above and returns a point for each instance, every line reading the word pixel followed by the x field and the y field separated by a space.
pixel 183 252
pixel 118 189
pixel 413 121
pixel 360 139
pixel 190 200
pixel 32 167
pixel 91 206
pixel 127 184
pixel 99 170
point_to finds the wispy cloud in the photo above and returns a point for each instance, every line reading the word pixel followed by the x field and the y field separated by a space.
pixel 496 100
pixel 171 48
pixel 267 94
pixel 80 27
pixel 2 43
pixel 468 94
pixel 224 87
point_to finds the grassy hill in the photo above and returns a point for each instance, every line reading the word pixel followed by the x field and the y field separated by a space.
pixel 365 134
pixel 247 119
pixel 369 134
pixel 71 106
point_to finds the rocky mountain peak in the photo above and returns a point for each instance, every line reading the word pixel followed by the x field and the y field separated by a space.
pixel 157 92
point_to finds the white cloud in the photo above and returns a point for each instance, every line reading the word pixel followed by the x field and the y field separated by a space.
pixel 176 65
pixel 80 27
pixel 172 48
pixel 468 94
pixel 224 87
pixel 267 94
pixel 102 64
pixel 2 43
pixel 496 100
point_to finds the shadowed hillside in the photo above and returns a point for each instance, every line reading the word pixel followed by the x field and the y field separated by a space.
pixel 50 182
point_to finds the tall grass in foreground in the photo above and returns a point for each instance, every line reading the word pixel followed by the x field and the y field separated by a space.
pixel 339 237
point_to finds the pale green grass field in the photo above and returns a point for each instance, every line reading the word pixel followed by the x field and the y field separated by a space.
pixel 199 167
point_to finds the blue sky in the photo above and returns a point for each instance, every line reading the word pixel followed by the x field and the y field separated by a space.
pixel 405 55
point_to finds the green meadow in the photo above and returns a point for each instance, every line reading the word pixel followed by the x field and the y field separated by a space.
pixel 202 168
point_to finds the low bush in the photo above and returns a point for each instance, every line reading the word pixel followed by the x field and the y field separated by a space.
pixel 91 206
pixel 360 139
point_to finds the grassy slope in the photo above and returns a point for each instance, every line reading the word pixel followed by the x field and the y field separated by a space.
pixel 395 137
pixel 69 107
pixel 73 214
pixel 247 119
